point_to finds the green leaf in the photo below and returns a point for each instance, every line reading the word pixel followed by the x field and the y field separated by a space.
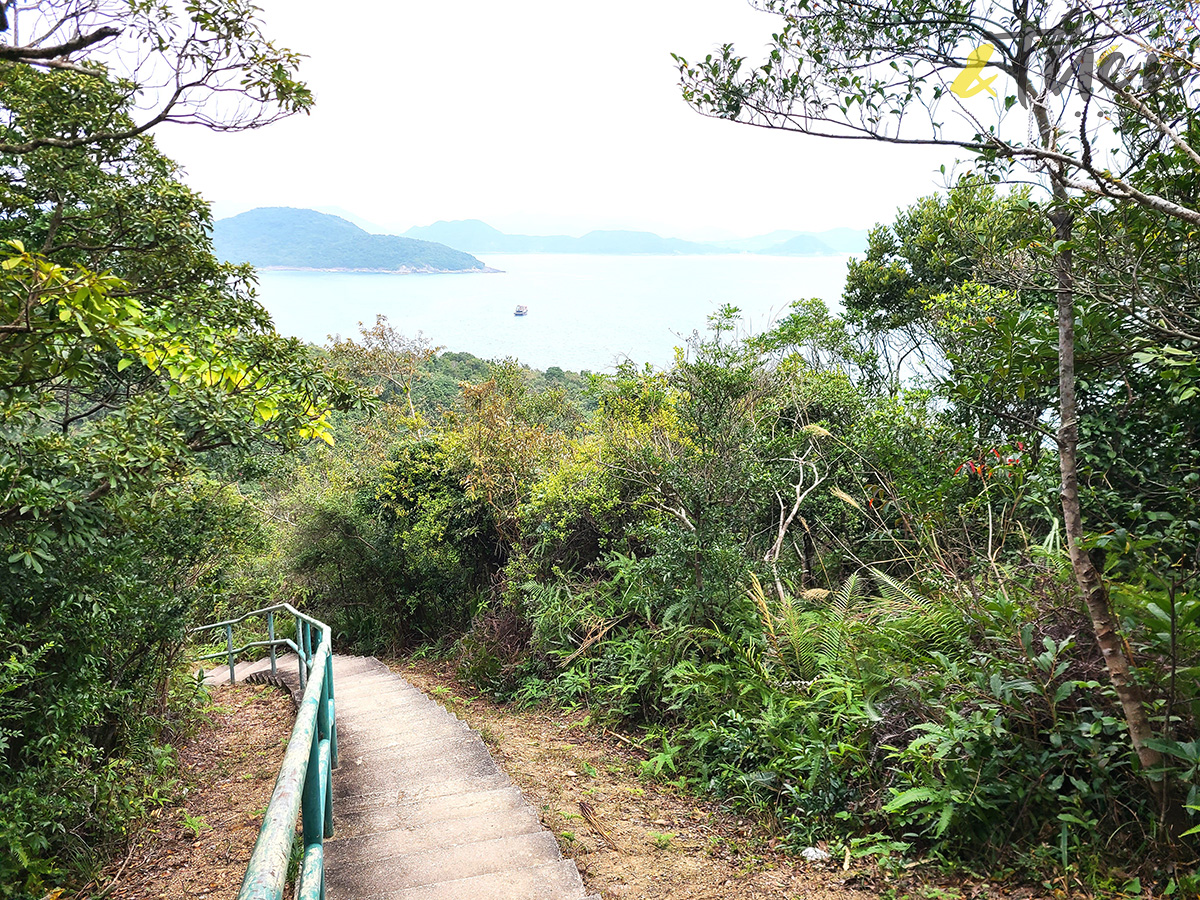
pixel 1064 691
pixel 911 796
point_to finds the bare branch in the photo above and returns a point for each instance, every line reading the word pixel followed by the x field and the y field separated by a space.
pixel 82 42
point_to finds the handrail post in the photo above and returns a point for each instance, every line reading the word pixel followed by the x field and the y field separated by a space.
pixel 229 651
pixel 333 750
pixel 271 638
pixel 325 736
pixel 302 652
pixel 310 804
pixel 313 805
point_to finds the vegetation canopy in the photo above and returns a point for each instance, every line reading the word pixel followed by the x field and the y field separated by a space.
pixel 918 580
pixel 135 366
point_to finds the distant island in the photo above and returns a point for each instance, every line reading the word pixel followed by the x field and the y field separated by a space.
pixel 479 237
pixel 286 238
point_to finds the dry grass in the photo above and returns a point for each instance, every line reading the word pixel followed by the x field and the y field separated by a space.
pixel 200 847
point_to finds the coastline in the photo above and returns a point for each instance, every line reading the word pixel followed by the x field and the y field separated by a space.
pixel 403 270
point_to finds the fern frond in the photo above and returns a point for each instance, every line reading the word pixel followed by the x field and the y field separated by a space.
pixel 917 621
pixel 796 627
pixel 845 598
pixel 897 594
pixel 745 654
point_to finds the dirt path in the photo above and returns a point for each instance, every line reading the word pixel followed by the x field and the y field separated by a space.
pixel 646 839
pixel 200 847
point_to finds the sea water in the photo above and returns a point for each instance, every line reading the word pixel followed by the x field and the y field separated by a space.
pixel 585 312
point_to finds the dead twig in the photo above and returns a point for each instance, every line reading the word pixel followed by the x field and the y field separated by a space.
pixel 589 816
pixel 107 889
pixel 622 739
pixel 596 631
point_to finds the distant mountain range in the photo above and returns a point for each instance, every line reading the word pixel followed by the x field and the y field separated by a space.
pixel 282 237
pixel 478 237
pixel 483 238
pixel 286 238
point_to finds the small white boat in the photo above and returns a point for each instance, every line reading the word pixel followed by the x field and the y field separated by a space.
pixel 521 311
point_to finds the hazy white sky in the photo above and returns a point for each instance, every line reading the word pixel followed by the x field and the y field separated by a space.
pixel 537 116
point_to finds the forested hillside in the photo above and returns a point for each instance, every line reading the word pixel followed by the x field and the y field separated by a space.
pixel 818 574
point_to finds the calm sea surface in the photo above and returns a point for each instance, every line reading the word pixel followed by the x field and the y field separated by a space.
pixel 585 312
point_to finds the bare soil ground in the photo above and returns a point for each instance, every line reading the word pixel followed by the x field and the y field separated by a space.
pixel 641 839
pixel 199 848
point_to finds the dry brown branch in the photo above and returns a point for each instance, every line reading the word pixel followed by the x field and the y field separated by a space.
pixel 596 631
pixel 590 816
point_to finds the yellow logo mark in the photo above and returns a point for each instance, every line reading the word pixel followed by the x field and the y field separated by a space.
pixel 968 83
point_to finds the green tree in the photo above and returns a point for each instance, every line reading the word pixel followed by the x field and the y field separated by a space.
pixel 906 73
pixel 207 63
pixel 970 233
pixel 504 435
pixel 130 358
pixel 392 364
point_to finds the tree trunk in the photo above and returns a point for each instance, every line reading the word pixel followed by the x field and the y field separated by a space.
pixel 1090 580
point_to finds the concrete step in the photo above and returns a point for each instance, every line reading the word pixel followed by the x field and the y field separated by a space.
pixel 384 867
pixel 385 701
pixel 552 881
pixel 287 668
pixel 353 779
pixel 443 741
pixel 369 740
pixel 357 689
pixel 382 772
pixel 344 666
pixel 363 816
pixel 369 832
pixel 219 673
pixel 385 710
pixel 463 744
pixel 376 688
pixel 399 718
pixel 351 803
pixel 454 753
pixel 372 679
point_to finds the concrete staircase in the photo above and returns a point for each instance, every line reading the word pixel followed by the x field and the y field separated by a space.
pixel 420 809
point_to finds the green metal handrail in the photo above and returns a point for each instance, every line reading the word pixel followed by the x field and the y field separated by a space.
pixel 304 788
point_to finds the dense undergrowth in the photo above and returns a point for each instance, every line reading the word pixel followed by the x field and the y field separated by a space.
pixel 836 598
